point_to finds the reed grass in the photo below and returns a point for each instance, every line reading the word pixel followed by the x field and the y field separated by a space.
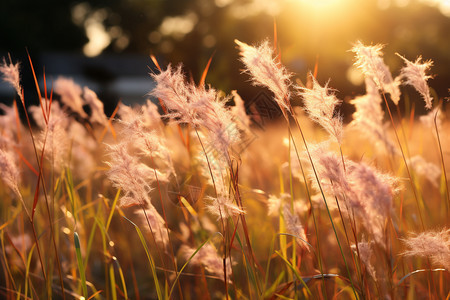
pixel 305 208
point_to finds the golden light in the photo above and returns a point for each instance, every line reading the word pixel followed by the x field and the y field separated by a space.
pixel 99 39
pixel 321 4
pixel 322 19
pixel 324 11
pixel 442 5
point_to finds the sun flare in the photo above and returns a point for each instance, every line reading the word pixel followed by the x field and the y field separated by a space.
pixel 322 3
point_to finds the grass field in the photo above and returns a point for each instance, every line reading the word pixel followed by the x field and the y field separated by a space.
pixel 206 196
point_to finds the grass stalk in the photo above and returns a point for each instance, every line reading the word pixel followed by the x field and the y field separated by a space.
pixel 441 156
pixel 297 274
pixel 323 197
pixel 122 278
pixel 80 264
pixel 404 160
pixel 308 196
pixel 172 253
pixel 27 271
pixel 39 162
pixel 149 258
pixel 112 279
pixel 221 217
pixel 251 254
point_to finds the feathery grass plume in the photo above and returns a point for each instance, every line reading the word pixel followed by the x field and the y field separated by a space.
pixel 216 167
pixel 320 104
pixel 176 94
pixel 83 150
pixel 293 225
pixel 147 142
pixel 429 170
pixel 365 254
pixel 70 93
pixel 210 112
pixel 208 258
pixel 9 172
pixel 157 224
pixel 431 244
pixel 64 138
pixel 331 173
pixel 375 191
pixel 56 112
pixel 96 105
pixel 150 115
pixel 147 114
pixel 7 129
pixel 370 60
pixel 368 118
pixel 8 118
pixel 10 175
pixel 222 206
pixel 363 190
pixel 198 106
pixel 265 70
pixel 126 113
pixel 11 75
pixel 171 87
pixel 222 131
pixel 415 75
pixel 131 176
pixel 56 139
pixel 7 142
pixel 274 204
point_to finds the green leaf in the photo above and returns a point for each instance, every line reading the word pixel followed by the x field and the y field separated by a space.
pixel 299 277
pixel 80 264
pixel 149 257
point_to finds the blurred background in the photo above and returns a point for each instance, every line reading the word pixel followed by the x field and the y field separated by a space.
pixel 106 44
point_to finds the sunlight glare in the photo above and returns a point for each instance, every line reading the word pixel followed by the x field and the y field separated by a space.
pixel 326 10
pixel 442 5
pixel 322 4
pixel 98 39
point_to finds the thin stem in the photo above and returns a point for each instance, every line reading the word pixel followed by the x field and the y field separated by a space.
pixel 220 212
pixel 324 199
pixel 308 195
pixel 167 229
pixel 404 159
pixel 443 165
pixel 41 177
pixel 235 180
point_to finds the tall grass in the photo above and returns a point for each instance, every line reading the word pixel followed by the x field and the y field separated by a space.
pixel 192 199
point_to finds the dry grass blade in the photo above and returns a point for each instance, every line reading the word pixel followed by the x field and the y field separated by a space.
pixel 38 90
pixel 205 71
